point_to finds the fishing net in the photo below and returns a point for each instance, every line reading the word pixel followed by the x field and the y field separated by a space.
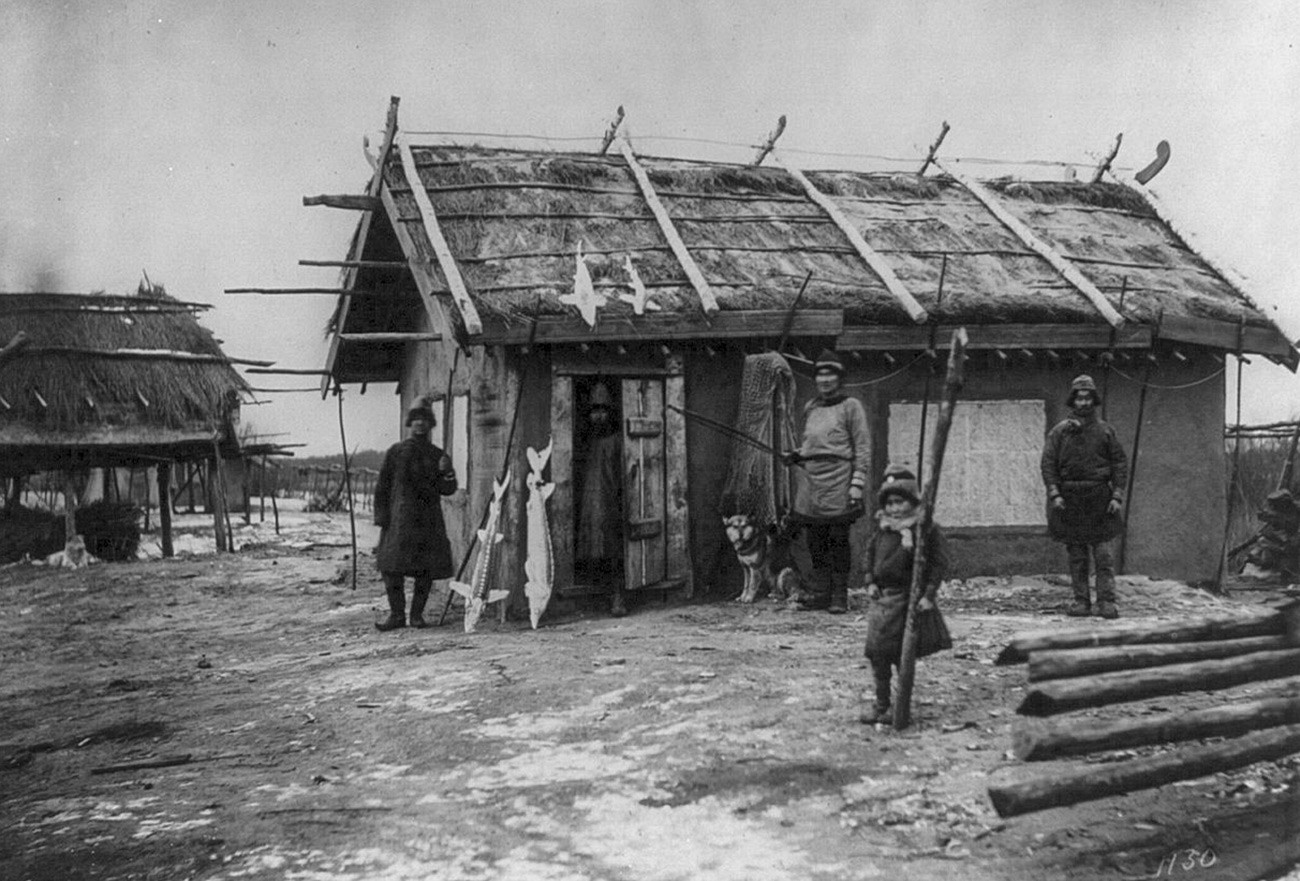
pixel 757 483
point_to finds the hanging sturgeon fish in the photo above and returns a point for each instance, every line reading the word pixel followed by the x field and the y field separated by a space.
pixel 476 593
pixel 539 567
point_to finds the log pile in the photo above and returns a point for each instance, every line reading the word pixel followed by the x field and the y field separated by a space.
pixel 1078 670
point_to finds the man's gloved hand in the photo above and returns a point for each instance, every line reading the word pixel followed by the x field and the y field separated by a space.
pixel 924 604
pixel 1058 503
pixel 1114 507
pixel 873 591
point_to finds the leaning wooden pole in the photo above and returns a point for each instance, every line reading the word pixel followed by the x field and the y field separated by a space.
pixel 907 663
pixel 347 480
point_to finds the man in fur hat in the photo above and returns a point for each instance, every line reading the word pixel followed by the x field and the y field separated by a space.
pixel 413 541
pixel 833 456
pixel 1085 471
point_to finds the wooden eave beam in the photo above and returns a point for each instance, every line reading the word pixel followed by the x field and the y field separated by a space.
pixel 1223 335
pixel 349 275
pixel 446 262
pixel 1000 336
pixel 1044 250
pixel 707 300
pixel 875 261
pixel 660 327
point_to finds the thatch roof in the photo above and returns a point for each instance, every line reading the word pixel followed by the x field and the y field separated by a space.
pixel 514 219
pixel 108 378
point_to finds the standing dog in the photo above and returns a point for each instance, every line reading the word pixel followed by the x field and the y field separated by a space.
pixel 756 548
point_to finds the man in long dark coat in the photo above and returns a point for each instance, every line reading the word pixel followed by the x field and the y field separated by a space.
pixel 1086 472
pixel 408 510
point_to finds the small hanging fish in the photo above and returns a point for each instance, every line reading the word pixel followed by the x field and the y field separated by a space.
pixel 476 593
pixel 539 566
pixel 584 296
pixel 641 299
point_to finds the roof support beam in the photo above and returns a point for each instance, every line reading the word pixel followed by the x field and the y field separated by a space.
pixel 450 271
pixel 877 263
pixel 1038 246
pixel 707 300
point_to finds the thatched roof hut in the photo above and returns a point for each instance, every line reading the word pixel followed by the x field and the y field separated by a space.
pixel 112 381
pixel 467 279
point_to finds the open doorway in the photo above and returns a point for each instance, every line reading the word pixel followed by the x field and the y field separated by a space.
pixel 598 502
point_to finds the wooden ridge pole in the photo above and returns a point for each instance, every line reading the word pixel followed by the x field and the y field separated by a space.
pixel 707 300
pixel 1038 741
pixel 869 255
pixel 907 662
pixel 1034 243
pixel 1101 781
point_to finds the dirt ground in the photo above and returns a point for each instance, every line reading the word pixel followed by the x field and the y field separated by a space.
pixel 690 740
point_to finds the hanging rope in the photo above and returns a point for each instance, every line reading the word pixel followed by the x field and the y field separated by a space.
pixel 1170 388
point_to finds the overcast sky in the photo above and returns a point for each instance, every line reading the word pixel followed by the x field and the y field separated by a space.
pixel 179 138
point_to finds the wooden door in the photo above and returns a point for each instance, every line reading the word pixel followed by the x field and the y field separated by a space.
pixel 645 536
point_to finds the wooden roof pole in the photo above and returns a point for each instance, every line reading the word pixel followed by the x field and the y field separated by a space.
pixel 707 300
pixel 349 275
pixel 1110 157
pixel 771 141
pixel 1038 246
pixel 874 260
pixel 611 131
pixel 934 148
pixel 450 271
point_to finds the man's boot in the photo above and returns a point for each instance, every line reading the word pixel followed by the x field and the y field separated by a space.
pixel 879 711
pixel 420 596
pixel 1105 565
pixel 839 593
pixel 1078 557
pixel 817 591
pixel 393 586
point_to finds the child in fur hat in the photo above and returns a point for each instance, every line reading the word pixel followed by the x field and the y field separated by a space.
pixel 888 577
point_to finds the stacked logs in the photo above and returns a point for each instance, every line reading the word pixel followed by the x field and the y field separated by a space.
pixel 1092 668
